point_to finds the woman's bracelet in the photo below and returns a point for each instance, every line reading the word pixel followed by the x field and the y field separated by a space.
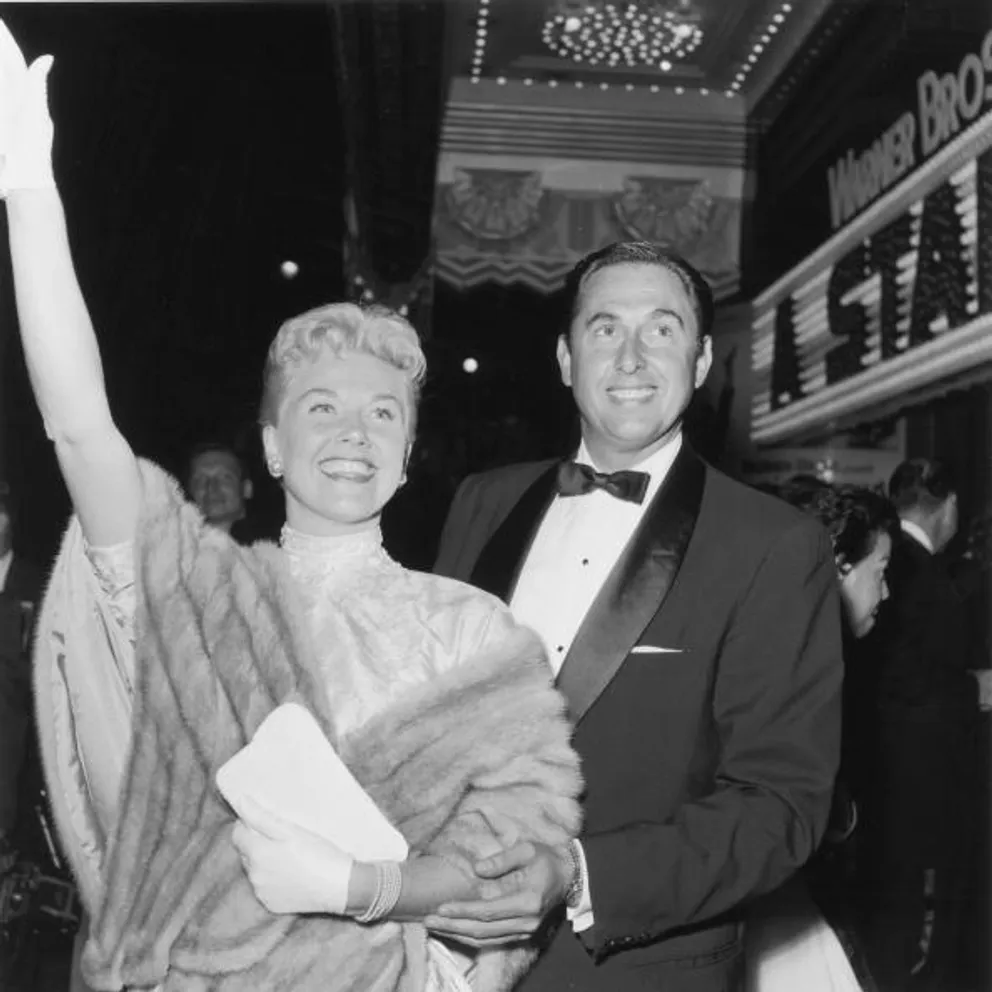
pixel 388 887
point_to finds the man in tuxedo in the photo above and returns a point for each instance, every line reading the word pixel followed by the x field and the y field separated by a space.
pixel 922 767
pixel 693 626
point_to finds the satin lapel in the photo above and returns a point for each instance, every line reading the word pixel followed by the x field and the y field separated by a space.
pixel 499 563
pixel 635 588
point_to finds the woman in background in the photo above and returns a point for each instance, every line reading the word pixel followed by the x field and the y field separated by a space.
pixel 790 943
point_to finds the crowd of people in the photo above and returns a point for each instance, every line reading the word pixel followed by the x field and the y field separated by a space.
pixel 613 726
pixel 894 876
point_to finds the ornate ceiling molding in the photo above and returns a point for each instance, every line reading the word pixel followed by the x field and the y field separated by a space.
pixel 508 222
pixel 746 45
pixel 514 119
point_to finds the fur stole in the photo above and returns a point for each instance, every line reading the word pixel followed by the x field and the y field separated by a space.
pixel 221 641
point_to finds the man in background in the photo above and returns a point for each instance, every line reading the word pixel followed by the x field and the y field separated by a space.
pixel 217 481
pixel 922 781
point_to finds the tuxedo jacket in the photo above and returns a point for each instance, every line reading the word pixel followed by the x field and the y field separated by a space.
pixel 704 687
pixel 920 776
pixel 921 640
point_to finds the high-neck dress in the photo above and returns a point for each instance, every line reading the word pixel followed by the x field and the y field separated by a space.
pixel 398 628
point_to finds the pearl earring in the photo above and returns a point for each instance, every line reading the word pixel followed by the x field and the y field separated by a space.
pixel 275 469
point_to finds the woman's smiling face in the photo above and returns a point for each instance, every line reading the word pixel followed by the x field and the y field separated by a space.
pixel 342 441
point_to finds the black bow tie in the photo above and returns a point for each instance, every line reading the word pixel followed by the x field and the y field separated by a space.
pixel 574 479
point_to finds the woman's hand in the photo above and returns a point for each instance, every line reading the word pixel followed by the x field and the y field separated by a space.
pixel 291 869
pixel 25 125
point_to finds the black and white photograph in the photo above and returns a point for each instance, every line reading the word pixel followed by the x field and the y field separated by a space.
pixel 496 496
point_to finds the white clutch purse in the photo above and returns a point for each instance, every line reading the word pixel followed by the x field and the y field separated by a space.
pixel 291 769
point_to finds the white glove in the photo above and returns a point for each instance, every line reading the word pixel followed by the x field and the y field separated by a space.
pixel 291 869
pixel 26 129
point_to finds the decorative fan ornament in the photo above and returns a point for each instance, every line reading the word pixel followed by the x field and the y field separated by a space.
pixel 494 204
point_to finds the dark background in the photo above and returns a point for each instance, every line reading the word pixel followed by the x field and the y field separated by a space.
pixel 197 147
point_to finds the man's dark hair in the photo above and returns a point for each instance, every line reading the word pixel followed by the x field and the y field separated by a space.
pixel 643 253
pixel 853 515
pixel 921 482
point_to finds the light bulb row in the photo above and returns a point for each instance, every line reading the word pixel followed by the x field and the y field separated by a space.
pixel 579 85
pixel 631 31
pixel 481 31
pixel 758 47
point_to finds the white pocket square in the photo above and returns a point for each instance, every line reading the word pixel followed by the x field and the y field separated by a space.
pixel 652 649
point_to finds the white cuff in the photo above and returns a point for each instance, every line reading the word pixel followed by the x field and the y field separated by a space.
pixel 581 916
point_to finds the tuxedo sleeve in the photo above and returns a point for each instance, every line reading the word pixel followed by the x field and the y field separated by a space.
pixel 776 713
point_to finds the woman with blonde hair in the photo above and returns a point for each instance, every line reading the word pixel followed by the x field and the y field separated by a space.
pixel 164 647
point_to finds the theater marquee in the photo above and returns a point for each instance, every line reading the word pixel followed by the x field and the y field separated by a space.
pixel 945 105
pixel 899 299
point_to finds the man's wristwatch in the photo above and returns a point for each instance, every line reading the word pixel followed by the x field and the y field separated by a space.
pixel 577 875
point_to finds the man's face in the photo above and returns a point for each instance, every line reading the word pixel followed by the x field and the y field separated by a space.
pixel 633 360
pixel 217 487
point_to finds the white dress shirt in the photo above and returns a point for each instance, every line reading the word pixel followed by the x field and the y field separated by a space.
pixel 574 550
pixel 917 533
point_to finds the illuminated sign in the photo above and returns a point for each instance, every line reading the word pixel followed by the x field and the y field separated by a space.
pixel 899 299
pixel 945 105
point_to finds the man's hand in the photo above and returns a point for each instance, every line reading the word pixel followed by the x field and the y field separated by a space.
pixel 525 882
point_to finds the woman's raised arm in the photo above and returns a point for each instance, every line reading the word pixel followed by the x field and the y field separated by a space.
pixel 60 346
